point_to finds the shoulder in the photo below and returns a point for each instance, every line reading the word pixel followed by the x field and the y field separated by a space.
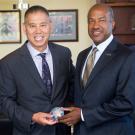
pixel 118 48
pixel 124 50
pixel 15 56
pixel 84 52
pixel 125 54
pixel 59 48
pixel 11 56
pixel 10 61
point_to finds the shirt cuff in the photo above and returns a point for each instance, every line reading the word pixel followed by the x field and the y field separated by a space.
pixel 32 124
pixel 82 115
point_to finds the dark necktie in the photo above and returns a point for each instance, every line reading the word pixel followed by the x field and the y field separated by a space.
pixel 46 76
pixel 89 66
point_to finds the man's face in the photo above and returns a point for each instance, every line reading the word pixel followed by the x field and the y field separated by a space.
pixel 37 28
pixel 100 25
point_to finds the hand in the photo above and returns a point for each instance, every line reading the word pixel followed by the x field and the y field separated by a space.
pixel 43 119
pixel 72 117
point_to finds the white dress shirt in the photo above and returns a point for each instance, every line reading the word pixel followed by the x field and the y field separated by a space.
pixel 38 60
pixel 101 47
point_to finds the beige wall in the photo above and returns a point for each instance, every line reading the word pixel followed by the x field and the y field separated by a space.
pixel 81 5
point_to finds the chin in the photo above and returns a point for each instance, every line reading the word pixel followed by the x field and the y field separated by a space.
pixel 97 41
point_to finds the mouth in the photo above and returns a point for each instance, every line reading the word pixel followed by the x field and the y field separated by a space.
pixel 38 38
pixel 96 33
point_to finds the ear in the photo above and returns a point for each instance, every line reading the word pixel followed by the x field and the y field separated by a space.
pixel 23 28
pixel 113 25
pixel 51 26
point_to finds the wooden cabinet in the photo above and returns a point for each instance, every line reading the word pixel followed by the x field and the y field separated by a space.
pixel 124 12
pixel 115 1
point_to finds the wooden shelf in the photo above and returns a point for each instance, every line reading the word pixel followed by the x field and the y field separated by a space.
pixel 122 4
pixel 118 2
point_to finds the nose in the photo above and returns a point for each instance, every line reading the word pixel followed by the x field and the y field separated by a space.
pixel 38 29
pixel 96 25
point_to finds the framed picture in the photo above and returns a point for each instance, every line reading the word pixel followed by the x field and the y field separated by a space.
pixel 65 25
pixel 10 26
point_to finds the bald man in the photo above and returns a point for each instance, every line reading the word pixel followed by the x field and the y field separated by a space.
pixel 105 102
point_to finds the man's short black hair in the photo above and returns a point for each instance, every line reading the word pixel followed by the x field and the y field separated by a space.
pixel 36 8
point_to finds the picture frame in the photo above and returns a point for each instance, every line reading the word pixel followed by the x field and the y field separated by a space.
pixel 64 25
pixel 10 26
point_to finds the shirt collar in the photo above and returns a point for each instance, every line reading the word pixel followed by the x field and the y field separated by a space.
pixel 34 52
pixel 102 46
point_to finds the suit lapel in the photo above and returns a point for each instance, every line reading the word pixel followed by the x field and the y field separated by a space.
pixel 32 70
pixel 105 58
pixel 56 65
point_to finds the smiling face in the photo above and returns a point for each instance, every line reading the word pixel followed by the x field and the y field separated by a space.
pixel 37 27
pixel 100 24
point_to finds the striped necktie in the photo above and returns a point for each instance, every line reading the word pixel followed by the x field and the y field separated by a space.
pixel 89 66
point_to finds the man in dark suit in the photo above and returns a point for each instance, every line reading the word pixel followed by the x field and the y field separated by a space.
pixel 27 92
pixel 104 104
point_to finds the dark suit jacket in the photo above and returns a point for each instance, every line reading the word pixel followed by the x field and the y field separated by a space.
pixel 109 96
pixel 23 92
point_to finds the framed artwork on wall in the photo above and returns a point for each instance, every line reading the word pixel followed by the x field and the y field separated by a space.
pixel 64 25
pixel 10 26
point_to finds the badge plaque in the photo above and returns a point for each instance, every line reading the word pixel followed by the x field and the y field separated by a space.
pixel 56 113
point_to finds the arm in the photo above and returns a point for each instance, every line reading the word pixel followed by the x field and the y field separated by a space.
pixel 71 82
pixel 8 96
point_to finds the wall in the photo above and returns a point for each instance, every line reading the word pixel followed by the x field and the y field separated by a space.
pixel 82 6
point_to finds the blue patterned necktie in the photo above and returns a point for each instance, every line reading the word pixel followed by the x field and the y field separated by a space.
pixel 46 76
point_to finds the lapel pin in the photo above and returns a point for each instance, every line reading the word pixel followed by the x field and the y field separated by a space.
pixel 108 54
